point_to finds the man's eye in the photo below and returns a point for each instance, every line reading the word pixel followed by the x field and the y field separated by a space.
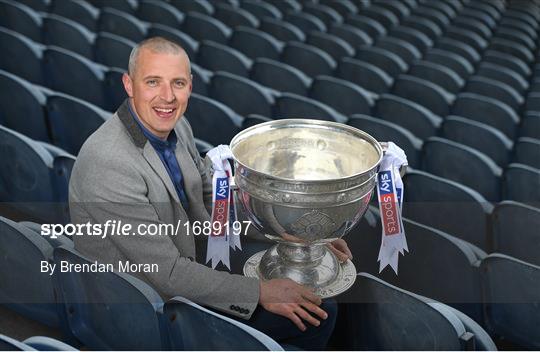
pixel 180 84
pixel 152 83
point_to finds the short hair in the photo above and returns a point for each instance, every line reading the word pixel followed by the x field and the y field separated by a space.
pixel 156 45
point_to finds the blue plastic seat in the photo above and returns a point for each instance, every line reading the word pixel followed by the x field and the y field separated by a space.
pixel 467 36
pixel 382 15
pixel 21 19
pixel 202 6
pixel 203 27
pixel 43 343
pixel 405 50
pixel 494 89
pixel 114 89
pixel 513 48
pixel 352 35
pixel 290 105
pixel 21 56
pixel 365 75
pixel 399 9
pixel 280 76
pixel 435 15
pixel 78 11
pixel 383 59
pixel 473 24
pixel 304 21
pixel 424 25
pixel 451 60
pixel 520 184
pixel 234 16
pixel 515 35
pixel 308 58
pixel 323 12
pixel 438 74
pixel 159 12
pixel 261 9
pixel 331 44
pixel 503 74
pixel 9 344
pixel 254 43
pixel 368 25
pixel 112 50
pixel 527 151
pixel 219 57
pixel 342 95
pixel 508 61
pixel 530 125
pixel 457 47
pixel 412 36
pixel 68 34
pixel 281 29
pixel 127 6
pixel 37 5
pixel 253 119
pixel 424 92
pixel 122 24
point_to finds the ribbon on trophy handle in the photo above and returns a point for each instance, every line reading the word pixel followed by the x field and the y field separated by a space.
pixel 390 195
pixel 224 234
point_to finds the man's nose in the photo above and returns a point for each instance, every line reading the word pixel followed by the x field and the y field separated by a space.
pixel 167 93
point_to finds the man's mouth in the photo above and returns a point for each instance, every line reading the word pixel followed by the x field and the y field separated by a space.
pixel 164 112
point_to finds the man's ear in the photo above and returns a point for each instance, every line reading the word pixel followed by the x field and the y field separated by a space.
pixel 128 84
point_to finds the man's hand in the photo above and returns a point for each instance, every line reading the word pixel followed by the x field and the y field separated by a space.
pixel 340 248
pixel 291 300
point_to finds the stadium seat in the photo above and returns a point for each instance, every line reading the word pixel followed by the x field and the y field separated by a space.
pixel 352 35
pixel 383 59
pixel 343 7
pixel 424 92
pixel 189 44
pixel 21 56
pixel 445 158
pixel 211 120
pixel 405 50
pixel 290 105
pixel 382 15
pixel 468 37
pixel 408 114
pixel 114 89
pixel 412 36
pixel 159 12
pixel 527 152
pixel 342 95
pixel 287 5
pixel 261 9
pixel 21 19
pixel 451 60
pixel 503 74
pixel 308 59
pixel 234 16
pixel 43 343
pixel 68 34
pixel 365 75
pixel 368 25
pixel 127 6
pixel 281 30
pixel 424 25
pixel 399 9
pixel 511 296
pixel 304 21
pixel 60 66
pixel 252 120
pixel 508 61
pixel 513 48
pixel 254 43
pixel 112 50
pixel 22 107
pixel 494 89
pixel 514 231
pixel 122 24
pixel 520 25
pixel 202 146
pixel 487 110
pixel 256 99
pixel 530 125
pixel 533 101
pixel 218 57
pixel 455 46
pixel 383 130
pixel 331 44
pixel 514 35
pixel 474 25
pixel 201 79
pixel 72 121
pixel 486 8
pixel 518 184
pixel 435 15
pixel 9 344
pixel 437 74
pixel 78 11
pixel 203 27
pixel 37 5
pixel 323 12
pixel 280 76
pixel 448 206
pixel 482 137
pixel 201 6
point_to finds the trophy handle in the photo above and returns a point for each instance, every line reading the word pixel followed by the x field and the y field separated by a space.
pixel 403 168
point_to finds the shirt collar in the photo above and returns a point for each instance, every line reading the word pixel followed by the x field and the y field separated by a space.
pixel 156 142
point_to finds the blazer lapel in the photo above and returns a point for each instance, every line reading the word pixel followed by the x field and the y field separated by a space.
pixel 189 171
pixel 155 162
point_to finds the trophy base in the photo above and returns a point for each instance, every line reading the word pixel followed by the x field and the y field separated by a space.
pixel 344 279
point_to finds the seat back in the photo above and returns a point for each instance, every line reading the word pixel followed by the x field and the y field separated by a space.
pixel 21 56
pixel 520 184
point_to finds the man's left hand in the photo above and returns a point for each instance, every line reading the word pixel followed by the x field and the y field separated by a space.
pixel 340 248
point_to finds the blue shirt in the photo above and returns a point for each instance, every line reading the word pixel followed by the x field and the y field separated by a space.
pixel 165 151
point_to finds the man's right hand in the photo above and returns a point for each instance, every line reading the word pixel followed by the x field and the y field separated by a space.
pixel 291 300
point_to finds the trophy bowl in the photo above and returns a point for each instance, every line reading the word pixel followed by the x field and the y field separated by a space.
pixel 304 183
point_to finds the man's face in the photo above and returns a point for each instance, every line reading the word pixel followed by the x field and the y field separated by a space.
pixel 159 90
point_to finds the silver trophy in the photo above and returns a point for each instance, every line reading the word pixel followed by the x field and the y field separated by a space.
pixel 304 183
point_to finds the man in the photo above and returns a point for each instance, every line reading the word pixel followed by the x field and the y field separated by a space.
pixel 141 167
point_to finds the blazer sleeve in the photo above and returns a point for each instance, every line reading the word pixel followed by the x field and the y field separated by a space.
pixel 107 187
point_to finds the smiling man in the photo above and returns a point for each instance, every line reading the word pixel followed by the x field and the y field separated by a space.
pixel 142 168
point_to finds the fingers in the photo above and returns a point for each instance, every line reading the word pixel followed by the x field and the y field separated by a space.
pixel 306 316
pixel 296 320
pixel 310 296
pixel 315 310
pixel 341 256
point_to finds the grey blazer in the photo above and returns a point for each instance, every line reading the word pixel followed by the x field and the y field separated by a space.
pixel 119 176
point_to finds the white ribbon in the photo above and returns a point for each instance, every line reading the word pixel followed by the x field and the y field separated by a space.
pixel 223 209
pixel 390 195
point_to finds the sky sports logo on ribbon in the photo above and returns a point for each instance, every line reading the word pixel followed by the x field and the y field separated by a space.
pixel 221 206
pixel 388 202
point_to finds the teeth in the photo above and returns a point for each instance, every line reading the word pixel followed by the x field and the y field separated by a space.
pixel 164 110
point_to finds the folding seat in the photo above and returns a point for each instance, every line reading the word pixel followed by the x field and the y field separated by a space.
pixel 261 9
pixel 510 34
pixel 331 44
pixel 511 296
pixel 482 137
pixel 424 92
pixel 159 12
pixel 234 16
pixel 384 59
pixel 448 206
pixel 68 34
pixel 342 95
pixel 309 59
pixel 211 120
pixel 486 8
pixel 323 12
pixel 367 76
pixel 519 25
pixel 426 26
pixel 530 125
pixel 203 147
pixel 252 120
pixel 22 107
pixel 520 184
pixel 21 56
pixel 440 6
pixel 525 16
pixel 437 16
pixel 255 43
pixel 21 19
pixel 280 76
pixel 127 6
pixel 399 9
pixel 37 5
pixel 203 27
pixel 464 50
pixel 408 114
pixel 115 93
pixel 62 167
pixel 79 11
pixel 290 105
pixel 189 44
pixel 352 35
pixel 468 37
pixel 513 231
pixel 281 30
pixel 218 57
pixel 383 16
pixel 121 24
pixel 533 101
pixel 487 110
pixel 43 343
pixel 386 131
pixel 480 16
pixel 406 51
pixel 368 25
pixel 423 324
pixel 304 21
pixel 510 62
pixel 513 48
pixel 72 121
pixel 438 74
pixel 527 152
pixel 25 289
pixel 451 60
pixel 256 99
pixel 60 66
pixel 343 7
pixel 287 5
pixel 412 36
pixel 201 6
pixel 494 89
pixel 474 25
pixel 447 159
